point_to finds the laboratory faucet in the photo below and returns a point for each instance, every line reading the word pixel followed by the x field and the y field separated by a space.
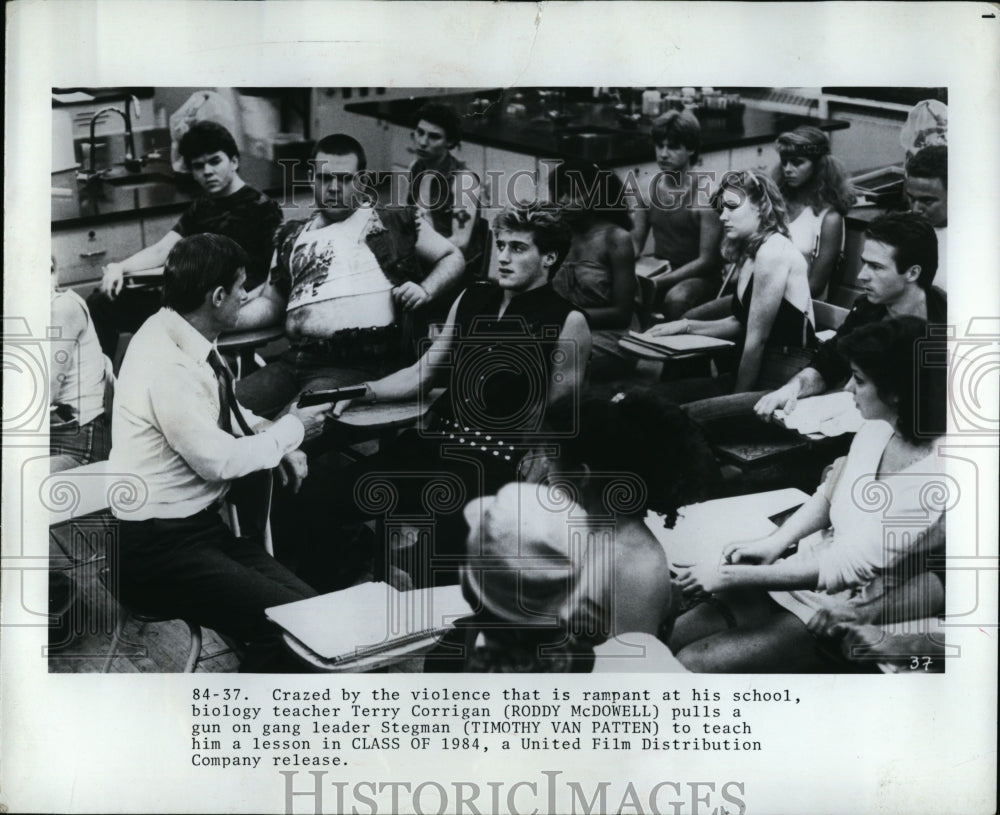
pixel 132 164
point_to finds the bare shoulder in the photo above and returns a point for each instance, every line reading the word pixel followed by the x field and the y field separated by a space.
pixel 776 257
pixel 832 220
pixel 616 238
pixel 575 325
pixel 643 556
pixel 642 573
pixel 776 247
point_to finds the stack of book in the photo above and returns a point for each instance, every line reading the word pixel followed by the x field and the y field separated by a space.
pixel 672 346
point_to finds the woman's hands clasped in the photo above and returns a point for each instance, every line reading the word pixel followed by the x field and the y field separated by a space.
pixel 756 551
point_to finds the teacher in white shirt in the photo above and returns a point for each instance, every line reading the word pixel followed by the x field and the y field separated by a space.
pixel 178 427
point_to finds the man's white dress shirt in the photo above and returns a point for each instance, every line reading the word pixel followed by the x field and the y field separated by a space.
pixel 165 424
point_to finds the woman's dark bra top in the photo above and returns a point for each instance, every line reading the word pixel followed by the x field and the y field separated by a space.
pixel 791 327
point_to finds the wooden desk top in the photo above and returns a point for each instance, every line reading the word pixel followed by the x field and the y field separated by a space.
pixel 384 415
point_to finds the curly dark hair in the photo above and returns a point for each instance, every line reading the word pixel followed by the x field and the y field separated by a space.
pixel 908 367
pixel 930 162
pixel 636 431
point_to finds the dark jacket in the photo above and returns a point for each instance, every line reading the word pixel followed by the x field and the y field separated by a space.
pixel 828 361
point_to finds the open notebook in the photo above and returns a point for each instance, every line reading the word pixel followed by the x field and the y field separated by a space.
pixel 369 618
pixel 703 530
pixel 829 414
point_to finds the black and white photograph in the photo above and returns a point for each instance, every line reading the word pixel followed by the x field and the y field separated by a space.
pixel 556 442
pixel 656 389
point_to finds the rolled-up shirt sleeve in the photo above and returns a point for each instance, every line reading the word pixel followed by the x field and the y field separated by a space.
pixel 186 411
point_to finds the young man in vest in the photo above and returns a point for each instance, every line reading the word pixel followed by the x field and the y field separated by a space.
pixel 342 282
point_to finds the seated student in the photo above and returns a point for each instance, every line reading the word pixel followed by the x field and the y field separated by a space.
pixel 763 603
pixel 598 274
pixel 177 426
pixel 506 354
pixel 444 190
pixel 79 429
pixel 899 261
pixel 526 580
pixel 686 232
pixel 818 195
pixel 227 206
pixel 562 563
pixel 341 282
pixel 771 313
pixel 926 190
pixel 898 264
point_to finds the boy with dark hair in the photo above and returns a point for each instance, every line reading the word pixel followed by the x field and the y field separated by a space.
pixel 926 189
pixel 227 206
pixel 899 260
pixel 686 232
pixel 441 186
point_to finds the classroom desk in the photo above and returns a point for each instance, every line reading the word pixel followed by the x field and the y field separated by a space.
pixel 380 421
pixel 702 530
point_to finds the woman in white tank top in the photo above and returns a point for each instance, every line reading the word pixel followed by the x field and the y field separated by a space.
pixel 818 195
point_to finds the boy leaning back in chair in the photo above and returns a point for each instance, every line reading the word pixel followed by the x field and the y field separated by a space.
pixel 227 206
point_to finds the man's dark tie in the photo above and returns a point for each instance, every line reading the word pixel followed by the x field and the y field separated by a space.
pixel 228 406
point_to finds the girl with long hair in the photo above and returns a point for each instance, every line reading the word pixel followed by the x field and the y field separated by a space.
pixel 817 194
pixel 771 314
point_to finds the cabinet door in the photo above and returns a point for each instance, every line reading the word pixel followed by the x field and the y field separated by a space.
pixel 401 153
pixel 715 162
pixel 82 253
pixel 155 227
pixel 637 180
pixel 753 157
